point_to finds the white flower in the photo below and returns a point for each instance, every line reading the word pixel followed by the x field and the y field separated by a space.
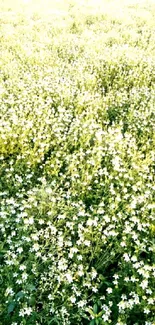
pixel 81 303
pixel 62 265
pixel 87 242
pixel 69 277
pixel 9 291
pixel 151 301
pixel 22 267
pixel 73 299
pixel 149 291
pixel 22 313
pixel 144 284
pixel 41 221
pixel 134 258
pixel 48 190
pixel 116 276
pixel 126 257
pixel 19 250
pixel 109 290
pixel 34 236
pixel 27 311
pixel 123 244
pixel 105 317
pixel 94 274
pixel 90 222
pixel 115 282
pixel 24 276
pixel 80 273
pixel 29 221
pixel 79 257
pixel 106 218
pixel 122 305
pixel 73 250
pixel 36 247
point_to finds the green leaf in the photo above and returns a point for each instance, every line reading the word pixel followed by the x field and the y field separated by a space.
pixel 92 322
pixel 95 309
pixel 100 313
pixel 90 312
pixel 31 287
pixel 11 307
pixel 20 294
pixel 32 301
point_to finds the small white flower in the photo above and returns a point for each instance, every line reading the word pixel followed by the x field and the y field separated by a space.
pixel 22 313
pixel 144 284
pixel 27 311
pixel 79 257
pixel 73 299
pixel 22 267
pixel 149 291
pixel 24 276
pixel 94 274
pixel 9 291
pixel 80 273
pixel 36 247
pixel 34 236
pixel 81 303
pixel 87 242
pixel 126 257
pixel 15 275
pixel 94 289
pixel 123 244
pixel 116 276
pixel 19 250
pixel 105 317
pixel 90 222
pixel 151 301
pixel 109 290
pixel 133 279
pixel 134 258
pixel 41 221
pixel 122 305
pixel 69 277
pixel 29 221
pixel 48 190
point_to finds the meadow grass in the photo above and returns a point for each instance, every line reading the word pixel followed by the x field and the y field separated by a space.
pixel 77 162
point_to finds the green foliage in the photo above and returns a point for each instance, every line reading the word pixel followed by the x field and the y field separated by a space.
pixel 77 162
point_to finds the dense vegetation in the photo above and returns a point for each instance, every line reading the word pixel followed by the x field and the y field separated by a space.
pixel 77 162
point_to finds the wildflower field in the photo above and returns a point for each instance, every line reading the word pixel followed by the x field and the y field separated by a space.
pixel 77 162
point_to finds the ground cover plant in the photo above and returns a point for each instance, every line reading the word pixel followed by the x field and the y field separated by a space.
pixel 77 162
